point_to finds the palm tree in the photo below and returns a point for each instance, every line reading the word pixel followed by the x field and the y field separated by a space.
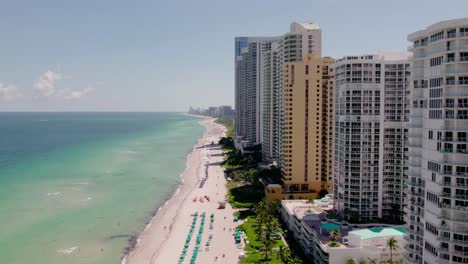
pixel 335 235
pixel 285 255
pixel 392 244
pixel 266 225
pixel 346 213
pixel 310 200
pixel 372 260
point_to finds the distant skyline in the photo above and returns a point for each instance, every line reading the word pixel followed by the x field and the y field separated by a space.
pixel 169 55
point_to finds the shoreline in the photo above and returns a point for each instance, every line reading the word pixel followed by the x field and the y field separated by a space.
pixel 145 247
pixel 135 240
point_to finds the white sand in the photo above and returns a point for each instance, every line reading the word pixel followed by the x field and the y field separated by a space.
pixel 163 240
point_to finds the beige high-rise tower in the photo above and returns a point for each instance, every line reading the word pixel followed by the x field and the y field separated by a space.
pixel 307 126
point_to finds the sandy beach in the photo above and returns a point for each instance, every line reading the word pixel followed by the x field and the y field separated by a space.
pixel 163 239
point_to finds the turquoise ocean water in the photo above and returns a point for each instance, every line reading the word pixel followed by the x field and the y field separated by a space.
pixel 75 187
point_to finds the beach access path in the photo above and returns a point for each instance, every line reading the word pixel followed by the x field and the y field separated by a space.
pixel 163 239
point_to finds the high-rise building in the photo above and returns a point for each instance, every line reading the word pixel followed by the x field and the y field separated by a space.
pixel 370 112
pixel 284 100
pixel 270 101
pixel 306 126
pixel 305 114
pixel 302 39
pixel 437 193
pixel 248 70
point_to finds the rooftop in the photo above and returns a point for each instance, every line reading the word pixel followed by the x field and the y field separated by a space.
pixel 379 56
pixel 306 25
pixel 379 232
pixel 301 208
pixel 453 23
pixel 314 220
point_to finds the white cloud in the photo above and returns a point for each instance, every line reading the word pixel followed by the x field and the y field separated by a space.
pixel 76 94
pixel 8 92
pixel 45 85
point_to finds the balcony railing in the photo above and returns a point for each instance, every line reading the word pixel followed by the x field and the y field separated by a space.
pixel 446 150
pixel 453 59
pixel 453 184
pixel 456 241
pixel 413 183
pixel 459 253
pixel 451 35
pixel 453 207
pixel 452 218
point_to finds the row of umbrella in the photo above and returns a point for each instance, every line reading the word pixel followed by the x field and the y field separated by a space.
pixel 189 237
pixel 199 237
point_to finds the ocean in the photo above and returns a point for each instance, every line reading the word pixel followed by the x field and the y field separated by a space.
pixel 76 187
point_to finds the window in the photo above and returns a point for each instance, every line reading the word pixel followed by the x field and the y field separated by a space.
pixel 436 61
pixel 435 82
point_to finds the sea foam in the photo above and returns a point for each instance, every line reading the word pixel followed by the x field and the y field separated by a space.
pixel 67 251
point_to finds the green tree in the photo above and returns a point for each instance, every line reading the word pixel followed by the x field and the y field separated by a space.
pixel 310 200
pixel 346 213
pixel 266 225
pixel 322 193
pixel 272 174
pixel 250 175
pixel 396 214
pixel 284 255
pixel 372 260
pixel 351 261
pixel 392 244
pixel 335 235
pixel 354 217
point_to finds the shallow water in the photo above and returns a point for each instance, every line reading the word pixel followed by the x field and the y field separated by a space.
pixel 75 187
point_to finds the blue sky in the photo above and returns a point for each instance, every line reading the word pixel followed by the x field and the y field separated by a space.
pixel 105 55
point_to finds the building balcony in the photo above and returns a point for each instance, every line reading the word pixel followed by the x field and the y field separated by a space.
pixel 443 250
pixel 459 253
pixel 414 193
pixel 412 249
pixel 417 45
pixel 453 82
pixel 413 183
pixel 452 218
pixel 451 240
pixel 453 207
pixel 456 70
pixel 454 60
pixel 453 184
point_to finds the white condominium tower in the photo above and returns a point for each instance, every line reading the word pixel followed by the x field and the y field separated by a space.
pixel 247 88
pixel 302 39
pixel 437 195
pixel 271 100
pixel 370 112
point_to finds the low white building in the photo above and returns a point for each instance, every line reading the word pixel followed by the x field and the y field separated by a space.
pixel 310 226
